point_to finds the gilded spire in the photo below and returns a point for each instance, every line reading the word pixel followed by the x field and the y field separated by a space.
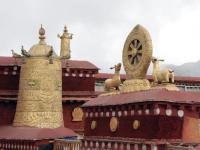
pixel 65 29
pixel 42 49
pixel 42 35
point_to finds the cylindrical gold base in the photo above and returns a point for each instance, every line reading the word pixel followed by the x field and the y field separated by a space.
pixel 40 94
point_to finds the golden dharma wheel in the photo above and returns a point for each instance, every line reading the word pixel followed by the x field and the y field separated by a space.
pixel 137 53
pixel 136 124
pixel 93 124
pixel 114 122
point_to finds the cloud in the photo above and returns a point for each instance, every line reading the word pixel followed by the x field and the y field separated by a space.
pixel 178 40
pixel 100 28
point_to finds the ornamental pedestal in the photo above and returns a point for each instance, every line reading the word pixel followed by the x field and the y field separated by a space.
pixel 135 85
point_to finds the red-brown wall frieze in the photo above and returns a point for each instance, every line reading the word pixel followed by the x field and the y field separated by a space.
pixel 10 80
pixel 151 127
pixel 78 83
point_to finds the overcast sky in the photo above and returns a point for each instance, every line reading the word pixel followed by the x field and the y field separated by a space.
pixel 100 27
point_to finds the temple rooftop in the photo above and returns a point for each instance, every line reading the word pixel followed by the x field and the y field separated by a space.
pixel 77 64
pixel 31 133
pixel 157 95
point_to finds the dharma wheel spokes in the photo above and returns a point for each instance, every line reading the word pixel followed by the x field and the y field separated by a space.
pixel 135 52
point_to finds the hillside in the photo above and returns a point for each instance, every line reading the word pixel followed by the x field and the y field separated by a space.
pixel 187 69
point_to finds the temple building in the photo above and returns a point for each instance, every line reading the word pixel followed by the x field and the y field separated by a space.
pixel 138 114
pixel 39 97
pixel 49 101
pixel 74 72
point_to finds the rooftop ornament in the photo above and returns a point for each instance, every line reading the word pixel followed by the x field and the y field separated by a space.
pixel 136 57
pixel 137 54
pixel 65 44
pixel 162 78
pixel 40 91
pixel 114 83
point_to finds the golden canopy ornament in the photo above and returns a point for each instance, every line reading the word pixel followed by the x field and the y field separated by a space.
pixel 39 101
pixel 137 53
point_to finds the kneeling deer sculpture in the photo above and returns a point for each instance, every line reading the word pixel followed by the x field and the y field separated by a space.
pixel 115 81
pixel 164 76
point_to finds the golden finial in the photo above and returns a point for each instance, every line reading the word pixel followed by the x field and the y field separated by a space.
pixel 65 43
pixel 41 33
pixel 65 29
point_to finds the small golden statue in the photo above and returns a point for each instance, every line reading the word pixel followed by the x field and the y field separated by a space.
pixel 164 76
pixel 115 82
pixel 65 44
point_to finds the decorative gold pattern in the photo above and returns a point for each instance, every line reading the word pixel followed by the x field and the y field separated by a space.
pixel 114 122
pixel 136 124
pixel 32 84
pixel 77 114
pixel 137 53
pixel 40 89
pixel 93 124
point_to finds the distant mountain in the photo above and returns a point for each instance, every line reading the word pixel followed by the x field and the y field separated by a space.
pixel 187 69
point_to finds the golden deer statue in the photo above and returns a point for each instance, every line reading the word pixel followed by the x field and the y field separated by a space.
pixel 164 76
pixel 115 82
